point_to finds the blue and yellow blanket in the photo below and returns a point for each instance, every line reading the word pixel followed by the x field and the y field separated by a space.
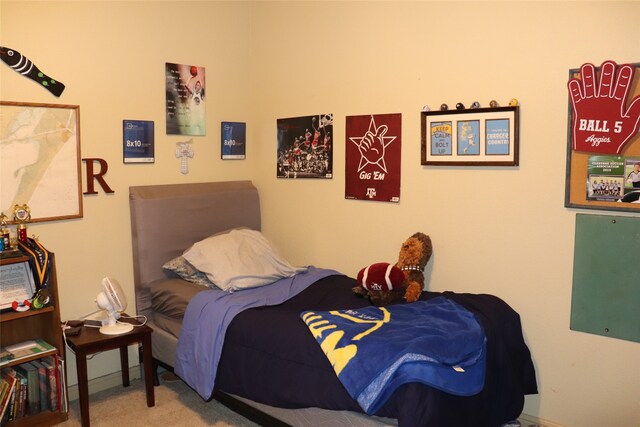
pixel 374 350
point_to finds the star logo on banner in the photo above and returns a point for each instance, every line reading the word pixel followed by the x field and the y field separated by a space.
pixel 372 145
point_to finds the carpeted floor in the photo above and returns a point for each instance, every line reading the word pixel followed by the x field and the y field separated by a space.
pixel 176 405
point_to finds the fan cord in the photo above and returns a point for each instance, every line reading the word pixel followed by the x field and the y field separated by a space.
pixel 140 318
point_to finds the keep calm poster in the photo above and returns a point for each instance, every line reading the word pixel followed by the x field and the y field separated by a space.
pixel 372 150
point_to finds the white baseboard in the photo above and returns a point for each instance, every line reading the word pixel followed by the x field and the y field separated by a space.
pixel 105 382
pixel 530 420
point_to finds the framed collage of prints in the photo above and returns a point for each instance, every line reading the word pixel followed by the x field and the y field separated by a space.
pixel 472 137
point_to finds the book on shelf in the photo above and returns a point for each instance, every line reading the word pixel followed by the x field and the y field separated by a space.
pixel 51 364
pixel 7 409
pixel 43 385
pixel 62 386
pixel 21 400
pixel 10 374
pixel 25 349
pixel 30 371
pixel 33 387
pixel 7 390
pixel 5 355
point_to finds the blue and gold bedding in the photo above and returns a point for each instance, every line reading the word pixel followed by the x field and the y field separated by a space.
pixel 270 357
pixel 375 350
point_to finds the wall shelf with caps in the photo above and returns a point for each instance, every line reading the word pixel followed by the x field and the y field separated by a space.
pixel 473 136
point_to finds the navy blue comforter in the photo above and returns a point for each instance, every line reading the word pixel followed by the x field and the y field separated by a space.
pixel 269 356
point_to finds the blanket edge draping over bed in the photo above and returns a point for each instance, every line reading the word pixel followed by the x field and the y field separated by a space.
pixel 199 349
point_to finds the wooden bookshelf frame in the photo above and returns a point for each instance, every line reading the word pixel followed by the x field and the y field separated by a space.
pixel 32 324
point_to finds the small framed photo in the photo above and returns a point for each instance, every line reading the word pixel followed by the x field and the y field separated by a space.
pixel 137 141
pixel 16 284
pixel 234 139
pixel 474 137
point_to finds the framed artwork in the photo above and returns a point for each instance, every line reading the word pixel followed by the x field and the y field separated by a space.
pixel 185 99
pixel 234 136
pixel 473 137
pixel 138 141
pixel 40 160
pixel 373 157
pixel 603 137
pixel 305 147
pixel 16 284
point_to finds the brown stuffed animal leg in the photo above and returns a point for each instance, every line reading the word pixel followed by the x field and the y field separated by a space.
pixel 413 292
pixel 360 291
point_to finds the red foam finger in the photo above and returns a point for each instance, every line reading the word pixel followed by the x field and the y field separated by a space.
pixel 607 75
pixel 575 90
pixel 588 74
pixel 625 77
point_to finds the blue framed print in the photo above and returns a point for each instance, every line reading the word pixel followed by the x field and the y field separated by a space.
pixel 234 140
pixel 137 141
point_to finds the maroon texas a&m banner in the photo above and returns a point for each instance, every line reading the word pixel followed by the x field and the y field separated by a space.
pixel 372 151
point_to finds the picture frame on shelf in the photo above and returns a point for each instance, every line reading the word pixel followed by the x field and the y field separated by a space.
pixel 470 137
pixel 16 284
pixel 42 142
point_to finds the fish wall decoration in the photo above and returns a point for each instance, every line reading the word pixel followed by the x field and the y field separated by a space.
pixel 22 65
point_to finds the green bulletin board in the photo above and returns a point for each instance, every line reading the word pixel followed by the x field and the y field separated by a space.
pixel 606 276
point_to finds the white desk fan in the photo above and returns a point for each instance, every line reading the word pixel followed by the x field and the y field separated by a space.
pixel 113 301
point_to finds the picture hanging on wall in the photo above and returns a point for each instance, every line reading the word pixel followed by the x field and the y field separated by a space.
pixel 185 99
pixel 137 141
pixel 473 137
pixel 234 135
pixel 603 142
pixel 305 148
pixel 372 157
pixel 40 160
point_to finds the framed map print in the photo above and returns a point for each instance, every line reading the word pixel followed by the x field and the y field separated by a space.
pixel 40 160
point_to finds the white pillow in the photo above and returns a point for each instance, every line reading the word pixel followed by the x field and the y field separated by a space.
pixel 239 259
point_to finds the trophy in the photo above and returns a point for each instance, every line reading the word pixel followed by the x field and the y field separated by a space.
pixel 5 240
pixel 22 215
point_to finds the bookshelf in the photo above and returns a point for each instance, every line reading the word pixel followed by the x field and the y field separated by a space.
pixel 44 323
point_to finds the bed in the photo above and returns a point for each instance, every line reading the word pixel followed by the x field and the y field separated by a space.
pixel 270 368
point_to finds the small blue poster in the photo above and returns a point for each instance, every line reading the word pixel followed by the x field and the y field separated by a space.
pixel 468 138
pixel 137 141
pixel 234 140
pixel 441 138
pixel 497 137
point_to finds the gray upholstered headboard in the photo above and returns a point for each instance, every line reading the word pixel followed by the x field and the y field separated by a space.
pixel 167 219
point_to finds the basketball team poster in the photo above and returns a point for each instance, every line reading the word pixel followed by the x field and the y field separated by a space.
pixel 185 99
pixel 305 147
pixel 372 151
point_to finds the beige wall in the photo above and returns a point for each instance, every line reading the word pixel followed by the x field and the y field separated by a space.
pixel 503 231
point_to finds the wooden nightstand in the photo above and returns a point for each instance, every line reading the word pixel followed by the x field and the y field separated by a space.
pixel 92 341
